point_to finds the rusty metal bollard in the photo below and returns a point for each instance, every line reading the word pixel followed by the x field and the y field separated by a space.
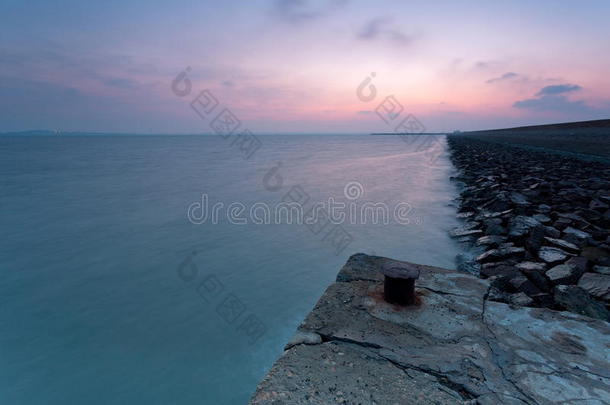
pixel 399 284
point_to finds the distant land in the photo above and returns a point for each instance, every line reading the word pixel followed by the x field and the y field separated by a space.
pixel 45 132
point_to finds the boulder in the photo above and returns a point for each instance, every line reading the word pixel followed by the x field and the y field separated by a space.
pixel 598 205
pixel 596 255
pixel 523 284
pixel 535 238
pixel 520 225
pixel 597 285
pixel 520 299
pixel 601 269
pixel 562 244
pixel 581 263
pixel 499 254
pixel 531 266
pixel 465 263
pixel 562 223
pixel 543 219
pixel 465 215
pixel 459 232
pixel 490 240
pixel 552 255
pixel 495 229
pixel 519 199
pixel 544 208
pixel 501 270
pixel 582 235
pixel 538 278
pixel 544 300
pixel 552 232
pixel 575 299
pixel 564 274
pixel 495 294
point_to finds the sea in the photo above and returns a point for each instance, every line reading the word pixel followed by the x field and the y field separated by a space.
pixel 173 269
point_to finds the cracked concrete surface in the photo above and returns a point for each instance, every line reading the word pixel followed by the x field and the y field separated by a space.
pixel 454 347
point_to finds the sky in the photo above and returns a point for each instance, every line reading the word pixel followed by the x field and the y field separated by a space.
pixel 301 66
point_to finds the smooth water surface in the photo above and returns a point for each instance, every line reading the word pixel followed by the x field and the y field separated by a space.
pixel 102 299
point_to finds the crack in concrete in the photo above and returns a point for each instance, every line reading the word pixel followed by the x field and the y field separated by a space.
pixel 459 389
pixel 526 398
pixel 443 292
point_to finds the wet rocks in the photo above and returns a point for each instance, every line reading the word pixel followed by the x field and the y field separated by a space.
pixel 597 285
pixel 538 225
pixel 575 299
pixel 501 253
pixel 562 244
pixel 552 255
pixel 491 240
pixel 531 266
pixel 520 299
pixel 457 232
pixel 564 274
pixel 601 269
pixel 520 225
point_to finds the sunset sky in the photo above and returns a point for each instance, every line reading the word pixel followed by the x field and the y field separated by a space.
pixel 295 65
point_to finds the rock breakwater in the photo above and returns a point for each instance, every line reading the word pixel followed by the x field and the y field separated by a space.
pixel 538 225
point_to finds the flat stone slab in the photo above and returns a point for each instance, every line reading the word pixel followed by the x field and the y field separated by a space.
pixel 453 347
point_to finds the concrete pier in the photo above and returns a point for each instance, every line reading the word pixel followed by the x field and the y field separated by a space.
pixel 453 346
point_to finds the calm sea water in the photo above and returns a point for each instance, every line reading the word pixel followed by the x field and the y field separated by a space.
pixel 101 298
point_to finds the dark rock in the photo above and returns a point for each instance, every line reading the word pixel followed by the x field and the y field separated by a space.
pixel 564 274
pixel 523 284
pixel 495 229
pixel 581 235
pixel 467 214
pixel 521 225
pixel 552 232
pixel 562 223
pixel 501 270
pixel 520 299
pixel 531 266
pixel 538 279
pixel 490 240
pixel 601 269
pixel 518 199
pixel 596 255
pixel 543 208
pixel 581 263
pixel 597 285
pixel 465 240
pixel 598 205
pixel 465 263
pixel 536 236
pixel 459 232
pixel 552 255
pixel 575 299
pixel 573 239
pixel 497 295
pixel 562 244
pixel 543 219
pixel 499 254
pixel 544 300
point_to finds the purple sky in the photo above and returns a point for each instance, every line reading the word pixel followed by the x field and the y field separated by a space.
pixel 295 65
